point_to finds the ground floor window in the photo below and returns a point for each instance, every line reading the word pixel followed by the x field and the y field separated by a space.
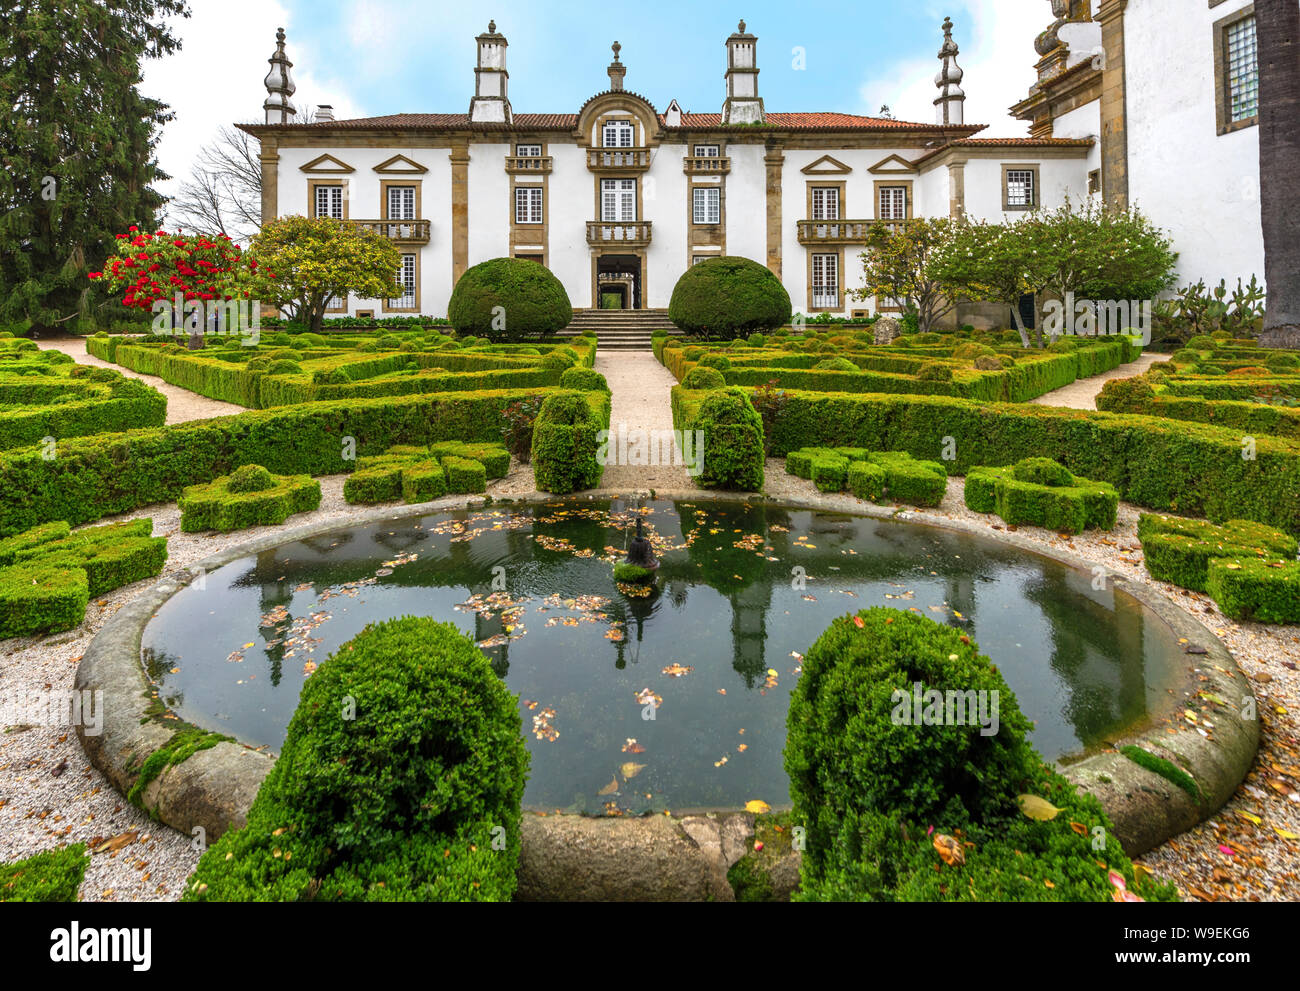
pixel 826 282
pixel 405 279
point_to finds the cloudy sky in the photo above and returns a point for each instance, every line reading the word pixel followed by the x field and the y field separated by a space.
pixel 371 57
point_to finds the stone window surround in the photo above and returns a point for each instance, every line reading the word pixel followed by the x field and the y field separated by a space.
pixel 1222 113
pixel 1036 193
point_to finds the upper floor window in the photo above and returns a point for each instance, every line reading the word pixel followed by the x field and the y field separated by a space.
pixel 707 205
pixel 893 203
pixel 528 151
pixel 1243 70
pixel 617 134
pixel 825 203
pixel 528 205
pixel 618 200
pixel 401 202
pixel 1020 188
pixel 329 202
pixel 707 151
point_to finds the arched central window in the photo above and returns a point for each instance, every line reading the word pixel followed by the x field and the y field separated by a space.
pixel 617 134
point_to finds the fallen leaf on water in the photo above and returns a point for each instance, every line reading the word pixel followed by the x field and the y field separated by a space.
pixel 757 806
pixel 950 850
pixel 632 747
pixel 610 788
pixel 631 770
pixel 1038 808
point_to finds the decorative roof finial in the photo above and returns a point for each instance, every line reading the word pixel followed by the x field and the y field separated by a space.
pixel 742 27
pixel 949 104
pixel 617 48
pixel 492 27
pixel 280 87
pixel 617 70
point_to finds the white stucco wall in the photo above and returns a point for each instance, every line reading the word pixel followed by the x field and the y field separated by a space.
pixel 1201 187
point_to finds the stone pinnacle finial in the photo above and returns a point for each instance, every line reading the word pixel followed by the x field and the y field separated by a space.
pixel 492 27
pixel 617 48
pixel 279 37
pixel 742 27
pixel 947 29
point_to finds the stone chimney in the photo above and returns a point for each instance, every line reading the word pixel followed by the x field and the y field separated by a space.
pixel 324 112
pixel 491 103
pixel 617 70
pixel 279 107
pixel 743 106
pixel 950 105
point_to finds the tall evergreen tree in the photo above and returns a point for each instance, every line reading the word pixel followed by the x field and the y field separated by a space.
pixel 77 146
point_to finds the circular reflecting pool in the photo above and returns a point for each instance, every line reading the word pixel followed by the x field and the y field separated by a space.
pixel 676 700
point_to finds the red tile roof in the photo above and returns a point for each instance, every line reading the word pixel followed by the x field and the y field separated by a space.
pixel 815 121
pixel 1009 143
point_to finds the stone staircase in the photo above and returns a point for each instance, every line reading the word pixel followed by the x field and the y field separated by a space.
pixel 620 330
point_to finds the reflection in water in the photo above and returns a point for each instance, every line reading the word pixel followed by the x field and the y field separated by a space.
pixel 743 591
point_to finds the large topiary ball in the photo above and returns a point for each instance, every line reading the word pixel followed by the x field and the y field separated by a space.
pixel 509 299
pixel 1042 471
pixel 584 380
pixel 404 757
pixel 1133 395
pixel 718 362
pixel 835 365
pixel 729 297
pixel 701 377
pixel 251 478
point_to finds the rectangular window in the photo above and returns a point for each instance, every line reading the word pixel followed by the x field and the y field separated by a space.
pixel 826 282
pixel 708 205
pixel 617 134
pixel 329 202
pixel 1094 181
pixel 618 200
pixel 401 202
pixel 707 151
pixel 529 151
pixel 893 203
pixel 405 279
pixel 1020 188
pixel 826 203
pixel 528 204
pixel 696 259
pixel 1242 65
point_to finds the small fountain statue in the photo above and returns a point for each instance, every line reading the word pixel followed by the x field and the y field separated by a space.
pixel 640 552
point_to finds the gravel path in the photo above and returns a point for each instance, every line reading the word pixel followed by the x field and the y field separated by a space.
pixel 1083 393
pixel 1261 864
pixel 642 402
pixel 182 405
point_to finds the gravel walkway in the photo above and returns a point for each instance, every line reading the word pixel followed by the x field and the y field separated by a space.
pixel 182 405
pixel 1260 863
pixel 1083 393
pixel 642 402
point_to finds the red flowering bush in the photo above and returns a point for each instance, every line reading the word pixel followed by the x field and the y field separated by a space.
pixel 150 267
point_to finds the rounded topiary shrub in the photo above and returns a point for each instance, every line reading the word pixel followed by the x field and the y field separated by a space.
pixel 933 371
pixel 969 351
pixel 1063 345
pixel 1185 356
pixel 584 380
pixel 929 338
pixel 728 297
pixel 1042 471
pixel 528 351
pixel 732 441
pixel 509 299
pixel 284 367
pixel 251 478
pixel 560 357
pixel 835 365
pixel 403 757
pixel 310 340
pixel 1133 395
pixel 991 363
pixel 719 362
pixel 1202 342
pixel 1283 361
pixel 757 340
pixel 566 444
pixel 1249 371
pixel 701 377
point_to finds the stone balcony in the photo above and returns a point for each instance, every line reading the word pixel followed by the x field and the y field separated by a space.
pixel 833 232
pixel 693 165
pixel 404 231
pixel 618 160
pixel 529 165
pixel 612 233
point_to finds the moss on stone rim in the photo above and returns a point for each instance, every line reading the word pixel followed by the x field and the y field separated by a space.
pixel 1166 769
pixel 183 745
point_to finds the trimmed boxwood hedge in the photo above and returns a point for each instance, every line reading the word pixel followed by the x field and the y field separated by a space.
pixel 249 497
pixel 49 876
pixel 875 791
pixel 871 475
pixel 414 795
pixel 732 441
pixel 1260 589
pixel 48 574
pixel 1156 463
pixel 1042 492
pixel 728 297
pixel 567 442
pixel 1180 551
pixel 509 299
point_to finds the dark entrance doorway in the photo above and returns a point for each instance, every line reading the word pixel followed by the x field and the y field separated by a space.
pixel 619 275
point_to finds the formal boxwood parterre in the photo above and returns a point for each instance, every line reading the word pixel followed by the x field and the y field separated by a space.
pixel 871 475
pixel 49 573
pixel 905 802
pixel 99 476
pixel 423 474
pixel 250 496
pixel 416 798
pixel 1042 492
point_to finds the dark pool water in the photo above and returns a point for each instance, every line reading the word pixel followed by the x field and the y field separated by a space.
pixel 584 657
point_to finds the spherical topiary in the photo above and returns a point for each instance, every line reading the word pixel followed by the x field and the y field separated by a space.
pixel 367 347
pixel 728 297
pixel 1133 395
pixel 990 363
pixel 720 362
pixel 284 367
pixel 286 354
pixel 757 341
pixel 1185 356
pixel 1063 345
pixel 259 364
pixel 1042 471
pixel 693 353
pixel 584 380
pixel 509 299
pixel 1202 342
pixel 560 357
pixel 835 365
pixel 969 351
pixel 929 338
pixel 251 478
pixel 311 340
pixel 933 371
pixel 402 800
pixel 702 377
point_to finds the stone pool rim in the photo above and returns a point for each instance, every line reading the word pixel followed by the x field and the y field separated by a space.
pixel 213 789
